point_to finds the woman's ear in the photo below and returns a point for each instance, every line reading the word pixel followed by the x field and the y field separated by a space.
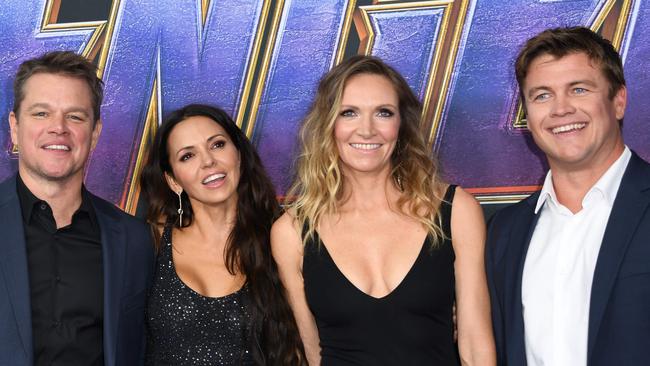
pixel 173 185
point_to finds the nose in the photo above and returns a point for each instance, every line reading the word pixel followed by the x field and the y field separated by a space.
pixel 58 124
pixel 366 128
pixel 207 159
pixel 562 106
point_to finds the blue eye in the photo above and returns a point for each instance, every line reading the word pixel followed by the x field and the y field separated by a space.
pixel 348 113
pixel 385 112
pixel 541 97
pixel 579 90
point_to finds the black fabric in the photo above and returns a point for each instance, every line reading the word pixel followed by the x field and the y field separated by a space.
pixel 187 328
pixel 410 326
pixel 66 282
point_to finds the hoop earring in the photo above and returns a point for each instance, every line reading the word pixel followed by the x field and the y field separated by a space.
pixel 180 209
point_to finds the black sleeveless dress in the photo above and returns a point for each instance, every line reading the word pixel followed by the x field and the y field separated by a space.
pixel 187 328
pixel 410 326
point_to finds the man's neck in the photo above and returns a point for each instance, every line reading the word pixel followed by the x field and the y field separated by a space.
pixel 572 185
pixel 63 196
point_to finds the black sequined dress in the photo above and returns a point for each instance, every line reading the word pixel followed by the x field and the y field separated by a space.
pixel 186 328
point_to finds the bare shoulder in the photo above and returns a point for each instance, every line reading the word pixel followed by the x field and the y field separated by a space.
pixel 285 226
pixel 467 222
pixel 466 206
pixel 286 241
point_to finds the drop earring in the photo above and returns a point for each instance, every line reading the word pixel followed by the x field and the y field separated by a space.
pixel 180 208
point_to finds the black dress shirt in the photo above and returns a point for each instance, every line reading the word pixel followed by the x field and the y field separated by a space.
pixel 66 282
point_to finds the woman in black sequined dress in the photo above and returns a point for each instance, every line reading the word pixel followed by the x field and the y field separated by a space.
pixel 216 297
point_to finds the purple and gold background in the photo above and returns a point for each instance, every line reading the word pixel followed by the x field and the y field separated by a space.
pixel 261 61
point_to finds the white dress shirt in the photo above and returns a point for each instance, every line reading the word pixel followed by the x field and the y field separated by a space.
pixel 559 270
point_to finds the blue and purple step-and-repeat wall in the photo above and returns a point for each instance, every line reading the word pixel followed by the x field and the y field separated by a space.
pixel 261 61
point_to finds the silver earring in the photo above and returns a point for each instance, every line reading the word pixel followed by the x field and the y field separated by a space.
pixel 180 209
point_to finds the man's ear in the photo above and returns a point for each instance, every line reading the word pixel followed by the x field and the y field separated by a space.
pixel 97 131
pixel 620 101
pixel 173 185
pixel 13 126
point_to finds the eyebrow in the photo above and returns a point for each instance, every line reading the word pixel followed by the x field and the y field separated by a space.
pixel 586 82
pixel 214 137
pixel 535 89
pixel 206 140
pixel 343 106
pixel 38 105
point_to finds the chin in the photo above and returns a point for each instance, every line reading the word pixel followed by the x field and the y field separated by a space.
pixel 376 168
pixel 57 175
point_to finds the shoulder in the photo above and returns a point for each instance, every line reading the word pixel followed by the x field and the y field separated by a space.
pixel 286 239
pixel 8 183
pixel 464 203
pixel 111 216
pixel 285 225
pixel 466 213
pixel 507 222
pixel 124 230
pixel 105 208
pixel 637 170
pixel 509 214
pixel 8 189
pixel 467 222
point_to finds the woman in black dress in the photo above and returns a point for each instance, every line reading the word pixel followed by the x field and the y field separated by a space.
pixel 376 249
pixel 216 297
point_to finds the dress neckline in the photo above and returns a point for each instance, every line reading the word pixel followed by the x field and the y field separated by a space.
pixel 357 289
pixel 170 253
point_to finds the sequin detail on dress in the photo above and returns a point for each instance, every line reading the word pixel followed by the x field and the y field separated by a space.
pixel 186 328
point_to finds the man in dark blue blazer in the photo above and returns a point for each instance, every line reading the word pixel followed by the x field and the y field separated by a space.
pixel 569 267
pixel 74 269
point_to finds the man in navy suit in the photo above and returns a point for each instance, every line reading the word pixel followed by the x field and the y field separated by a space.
pixel 74 269
pixel 569 267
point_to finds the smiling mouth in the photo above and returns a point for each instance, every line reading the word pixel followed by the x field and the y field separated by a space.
pixel 568 128
pixel 57 147
pixel 366 146
pixel 212 178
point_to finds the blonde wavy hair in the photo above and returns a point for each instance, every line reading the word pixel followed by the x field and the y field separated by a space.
pixel 318 186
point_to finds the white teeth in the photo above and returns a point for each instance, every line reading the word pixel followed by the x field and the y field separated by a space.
pixel 213 177
pixel 366 146
pixel 57 147
pixel 567 128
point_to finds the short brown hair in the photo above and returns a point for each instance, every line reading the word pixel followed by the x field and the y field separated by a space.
pixel 559 42
pixel 66 63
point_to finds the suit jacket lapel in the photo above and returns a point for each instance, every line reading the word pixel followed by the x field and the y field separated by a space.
pixel 520 240
pixel 113 260
pixel 627 211
pixel 13 262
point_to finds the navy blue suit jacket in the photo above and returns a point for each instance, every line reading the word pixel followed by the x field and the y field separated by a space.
pixel 127 256
pixel 619 316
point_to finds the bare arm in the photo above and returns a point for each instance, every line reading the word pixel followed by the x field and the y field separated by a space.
pixel 475 339
pixel 288 251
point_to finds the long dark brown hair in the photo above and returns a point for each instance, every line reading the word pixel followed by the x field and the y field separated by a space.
pixel 248 251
